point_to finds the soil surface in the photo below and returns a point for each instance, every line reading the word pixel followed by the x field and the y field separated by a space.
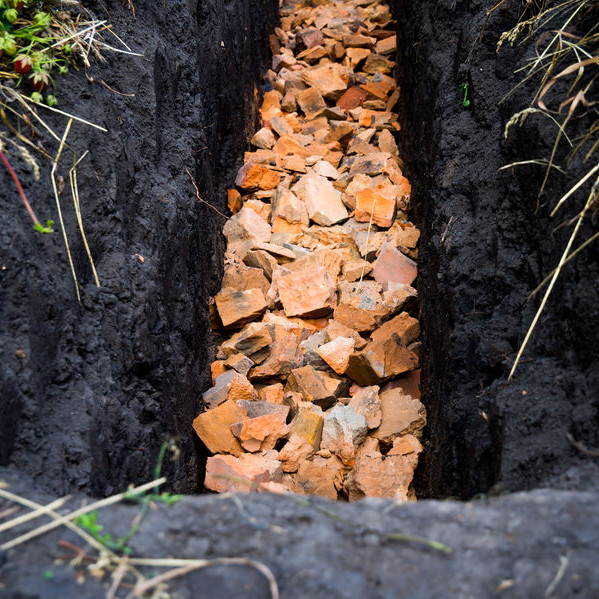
pixel 483 250
pixel 510 547
pixel 90 391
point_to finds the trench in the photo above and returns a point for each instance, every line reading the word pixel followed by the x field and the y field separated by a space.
pixel 446 466
pixel 103 384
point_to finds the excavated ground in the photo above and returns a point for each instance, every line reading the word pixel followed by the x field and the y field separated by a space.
pixel 89 391
pixel 319 261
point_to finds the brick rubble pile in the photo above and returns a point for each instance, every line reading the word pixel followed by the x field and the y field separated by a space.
pixel 316 387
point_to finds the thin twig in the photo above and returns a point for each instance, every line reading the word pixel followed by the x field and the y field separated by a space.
pixel 71 116
pixel 56 197
pixel 367 238
pixel 79 33
pixel 19 189
pixel 188 565
pixel 59 520
pixel 540 162
pixel 113 49
pixel 117 577
pixel 575 188
pixel 36 116
pixel 118 38
pixel 81 555
pixel 572 255
pixel 198 194
pixel 114 91
pixel 77 206
pixel 20 136
pixel 15 509
pixel 553 280
pixel 393 536
pixel 594 453
pixel 564 561
pixel 33 515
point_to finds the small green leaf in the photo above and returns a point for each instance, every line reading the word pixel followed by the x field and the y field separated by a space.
pixel 47 229
pixel 41 19
pixel 464 89
pixel 105 539
pixel 167 498
pixel 11 15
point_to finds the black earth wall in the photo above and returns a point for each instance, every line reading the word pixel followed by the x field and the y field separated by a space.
pixel 483 249
pixel 90 391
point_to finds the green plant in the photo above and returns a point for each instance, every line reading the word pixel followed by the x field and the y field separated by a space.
pixel 36 223
pixel 90 523
pixel 44 229
pixel 44 40
pixel 37 33
pixel 464 90
pixel 107 560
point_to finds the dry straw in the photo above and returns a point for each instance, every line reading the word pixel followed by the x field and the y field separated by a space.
pixel 561 54
pixel 120 566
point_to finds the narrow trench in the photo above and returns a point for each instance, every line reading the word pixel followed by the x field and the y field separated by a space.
pixel 316 376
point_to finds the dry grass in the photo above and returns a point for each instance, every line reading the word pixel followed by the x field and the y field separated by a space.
pixel 566 58
pixel 52 36
pixel 122 569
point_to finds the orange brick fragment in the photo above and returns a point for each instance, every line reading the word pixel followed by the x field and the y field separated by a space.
pixel 271 106
pixel 377 204
pixel 393 266
pixel 352 98
pixel 234 201
pixel 252 176
pixel 307 293
pixel 213 428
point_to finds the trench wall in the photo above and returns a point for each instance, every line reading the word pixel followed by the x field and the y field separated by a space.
pixel 90 391
pixel 483 249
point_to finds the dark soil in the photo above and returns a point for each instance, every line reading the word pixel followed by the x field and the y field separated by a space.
pixel 483 250
pixel 100 385
pixel 510 547
pixel 90 392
